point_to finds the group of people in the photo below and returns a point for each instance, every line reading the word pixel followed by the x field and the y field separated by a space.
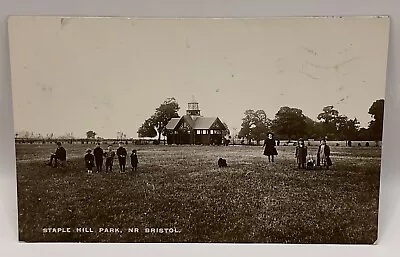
pixel 301 154
pixel 96 159
pixel 98 156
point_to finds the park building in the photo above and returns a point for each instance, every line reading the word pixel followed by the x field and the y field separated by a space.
pixel 193 128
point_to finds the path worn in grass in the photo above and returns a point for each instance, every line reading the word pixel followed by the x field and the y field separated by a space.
pixel 181 187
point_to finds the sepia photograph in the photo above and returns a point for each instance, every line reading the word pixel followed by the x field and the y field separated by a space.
pixel 198 130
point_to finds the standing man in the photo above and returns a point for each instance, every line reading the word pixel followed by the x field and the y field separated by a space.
pixel 121 153
pixel 59 155
pixel 98 156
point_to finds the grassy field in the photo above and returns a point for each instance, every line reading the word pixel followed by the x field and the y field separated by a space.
pixel 181 187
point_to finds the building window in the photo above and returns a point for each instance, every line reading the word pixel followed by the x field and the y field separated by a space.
pixel 198 132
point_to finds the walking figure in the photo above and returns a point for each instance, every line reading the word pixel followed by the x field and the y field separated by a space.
pixel 121 153
pixel 269 147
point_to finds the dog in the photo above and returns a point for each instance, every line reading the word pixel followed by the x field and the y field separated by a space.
pixel 222 163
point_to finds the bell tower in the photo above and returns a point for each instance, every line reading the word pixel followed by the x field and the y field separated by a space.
pixel 193 108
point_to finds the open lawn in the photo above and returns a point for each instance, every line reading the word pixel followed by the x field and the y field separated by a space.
pixel 181 187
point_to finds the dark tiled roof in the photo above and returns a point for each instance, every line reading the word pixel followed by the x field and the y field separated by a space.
pixel 195 122
pixel 172 123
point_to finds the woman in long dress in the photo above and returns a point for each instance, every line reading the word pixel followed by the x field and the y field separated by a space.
pixel 270 147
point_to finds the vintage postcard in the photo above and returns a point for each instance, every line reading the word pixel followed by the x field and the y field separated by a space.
pixel 198 130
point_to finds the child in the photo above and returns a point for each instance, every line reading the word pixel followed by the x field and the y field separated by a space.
pixel 109 158
pixel 134 160
pixel 301 154
pixel 89 161
pixel 323 155
pixel 121 153
pixel 269 147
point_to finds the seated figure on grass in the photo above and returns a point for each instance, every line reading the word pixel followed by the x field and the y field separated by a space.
pixel 59 155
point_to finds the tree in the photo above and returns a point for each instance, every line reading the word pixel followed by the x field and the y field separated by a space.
pixel 352 129
pixel 91 134
pixel 376 126
pixel 289 122
pixel 364 134
pixel 314 129
pixel 255 125
pixel 329 117
pixel 147 129
pixel 227 132
pixel 155 125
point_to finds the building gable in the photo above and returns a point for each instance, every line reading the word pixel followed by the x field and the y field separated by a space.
pixel 217 124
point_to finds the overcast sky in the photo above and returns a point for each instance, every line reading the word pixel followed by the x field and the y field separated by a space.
pixel 109 74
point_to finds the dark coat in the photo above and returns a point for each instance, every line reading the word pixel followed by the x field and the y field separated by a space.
pixel 61 154
pixel 98 153
pixel 269 147
pixel 134 160
pixel 327 151
pixel 121 152
pixel 89 161
pixel 301 154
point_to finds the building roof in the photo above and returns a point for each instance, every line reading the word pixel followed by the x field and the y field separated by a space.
pixel 172 123
pixel 195 122
pixel 204 122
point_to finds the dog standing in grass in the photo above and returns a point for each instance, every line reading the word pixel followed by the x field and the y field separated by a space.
pixel 222 163
pixel 89 161
pixel 134 160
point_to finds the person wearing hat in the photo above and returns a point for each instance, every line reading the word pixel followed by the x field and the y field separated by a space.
pixel 270 147
pixel 59 155
pixel 301 154
pixel 89 161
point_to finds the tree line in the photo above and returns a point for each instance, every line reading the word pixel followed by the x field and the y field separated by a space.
pixel 290 123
